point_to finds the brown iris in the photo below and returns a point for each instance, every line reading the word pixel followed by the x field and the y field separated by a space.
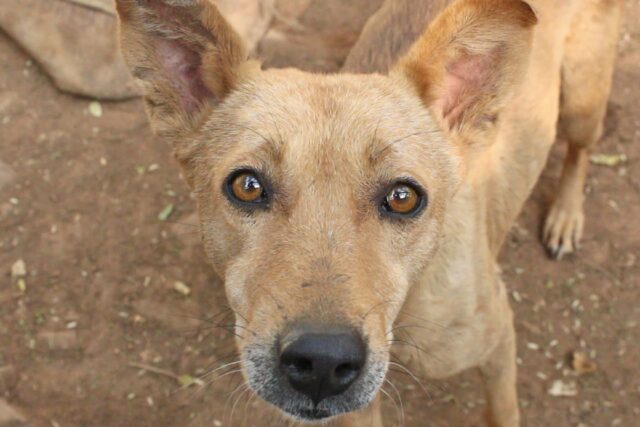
pixel 246 187
pixel 402 199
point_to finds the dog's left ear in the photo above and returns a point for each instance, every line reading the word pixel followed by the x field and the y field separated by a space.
pixel 466 64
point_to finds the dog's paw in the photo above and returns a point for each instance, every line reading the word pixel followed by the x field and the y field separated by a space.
pixel 563 229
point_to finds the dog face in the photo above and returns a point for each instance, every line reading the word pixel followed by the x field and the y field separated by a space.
pixel 321 198
pixel 319 211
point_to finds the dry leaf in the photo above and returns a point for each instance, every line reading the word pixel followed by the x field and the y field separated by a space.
pixel 186 380
pixel 610 160
pixel 22 285
pixel 562 389
pixel 95 109
pixel 581 363
pixel 18 269
pixel 182 288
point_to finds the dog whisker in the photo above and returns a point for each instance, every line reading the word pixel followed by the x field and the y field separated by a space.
pixel 239 389
pixel 250 401
pixel 386 393
pixel 218 360
pixel 237 313
pixel 237 400
pixel 390 144
pixel 245 127
pixel 244 328
pixel 417 347
pixel 278 303
pixel 230 327
pixel 226 328
pixel 380 304
pixel 440 386
pixel 421 350
pixel 201 319
pixel 407 371
pixel 219 377
pixel 275 124
pixel 388 381
pixel 213 371
pixel 406 313
pixel 210 318
pixel 402 327
pixel 203 386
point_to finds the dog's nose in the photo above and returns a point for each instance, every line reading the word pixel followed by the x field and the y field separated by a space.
pixel 323 364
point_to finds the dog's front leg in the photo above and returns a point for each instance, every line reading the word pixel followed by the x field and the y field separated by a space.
pixel 499 375
pixel 371 416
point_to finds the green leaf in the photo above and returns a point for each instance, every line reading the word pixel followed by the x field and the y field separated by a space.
pixel 166 212
pixel 186 380
pixel 610 160
pixel 95 109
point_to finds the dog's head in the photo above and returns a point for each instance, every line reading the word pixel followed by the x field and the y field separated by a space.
pixel 321 197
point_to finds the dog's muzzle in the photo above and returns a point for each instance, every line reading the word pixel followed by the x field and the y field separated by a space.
pixel 315 373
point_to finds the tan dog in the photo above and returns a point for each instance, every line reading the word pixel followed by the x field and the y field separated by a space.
pixel 338 206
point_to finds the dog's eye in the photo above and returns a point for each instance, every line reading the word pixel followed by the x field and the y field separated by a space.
pixel 245 188
pixel 403 200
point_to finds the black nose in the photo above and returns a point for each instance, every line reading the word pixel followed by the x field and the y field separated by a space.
pixel 323 364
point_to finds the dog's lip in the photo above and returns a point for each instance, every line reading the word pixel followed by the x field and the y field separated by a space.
pixel 314 414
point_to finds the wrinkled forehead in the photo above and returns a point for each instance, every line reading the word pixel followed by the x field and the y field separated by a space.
pixel 307 119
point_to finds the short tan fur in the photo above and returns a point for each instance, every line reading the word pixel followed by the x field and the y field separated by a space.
pixel 464 117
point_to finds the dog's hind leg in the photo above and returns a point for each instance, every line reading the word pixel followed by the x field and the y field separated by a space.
pixel 499 376
pixel 587 71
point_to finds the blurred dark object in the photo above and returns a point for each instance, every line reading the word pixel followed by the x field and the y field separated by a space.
pixel 75 44
pixel 74 40
pixel 9 417
pixel 314 35
pixel 388 34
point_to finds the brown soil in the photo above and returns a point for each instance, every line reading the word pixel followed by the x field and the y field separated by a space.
pixel 82 212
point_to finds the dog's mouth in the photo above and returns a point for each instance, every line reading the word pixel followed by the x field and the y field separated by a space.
pixel 319 386
pixel 275 390
pixel 313 414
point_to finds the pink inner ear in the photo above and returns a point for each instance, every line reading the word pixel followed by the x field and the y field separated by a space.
pixel 464 80
pixel 181 67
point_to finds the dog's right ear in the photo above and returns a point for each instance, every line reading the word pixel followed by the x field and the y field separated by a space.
pixel 185 56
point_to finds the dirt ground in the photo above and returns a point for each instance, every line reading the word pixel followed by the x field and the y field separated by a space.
pixel 96 334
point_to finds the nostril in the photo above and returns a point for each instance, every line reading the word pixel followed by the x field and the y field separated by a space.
pixel 299 366
pixel 346 372
pixel 303 365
